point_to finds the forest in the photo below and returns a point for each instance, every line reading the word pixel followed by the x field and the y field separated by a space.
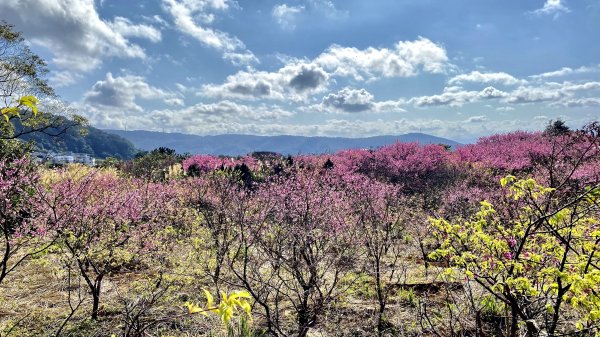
pixel 496 238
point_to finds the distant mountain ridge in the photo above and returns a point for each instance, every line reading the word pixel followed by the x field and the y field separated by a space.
pixel 95 142
pixel 236 145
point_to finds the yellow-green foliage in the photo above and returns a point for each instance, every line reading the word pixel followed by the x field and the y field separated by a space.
pixel 490 306
pixel 228 306
pixel 359 284
pixel 30 102
pixel 75 172
pixel 536 255
pixel 408 296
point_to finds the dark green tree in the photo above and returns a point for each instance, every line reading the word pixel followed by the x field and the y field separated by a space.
pixel 153 165
pixel 556 128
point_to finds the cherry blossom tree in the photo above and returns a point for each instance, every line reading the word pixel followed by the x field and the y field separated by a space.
pixel 380 219
pixel 295 248
pixel 21 234
pixel 106 223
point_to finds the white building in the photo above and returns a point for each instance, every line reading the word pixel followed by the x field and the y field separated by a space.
pixel 65 158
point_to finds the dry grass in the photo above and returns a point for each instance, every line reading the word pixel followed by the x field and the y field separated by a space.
pixel 34 301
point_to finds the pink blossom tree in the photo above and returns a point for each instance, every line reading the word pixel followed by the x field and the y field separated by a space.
pixel 215 198
pixel 105 222
pixel 18 209
pixel 380 216
pixel 295 247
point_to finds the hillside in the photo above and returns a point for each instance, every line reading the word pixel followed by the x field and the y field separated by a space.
pixel 234 145
pixel 95 142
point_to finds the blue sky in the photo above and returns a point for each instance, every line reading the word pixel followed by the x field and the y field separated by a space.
pixel 458 69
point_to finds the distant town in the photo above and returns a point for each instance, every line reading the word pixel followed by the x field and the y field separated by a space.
pixel 63 158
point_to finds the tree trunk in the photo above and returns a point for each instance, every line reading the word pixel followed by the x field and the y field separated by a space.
pixel 380 325
pixel 514 322
pixel 96 297
pixel 381 297
pixel 6 255
pixel 303 332
pixel 303 323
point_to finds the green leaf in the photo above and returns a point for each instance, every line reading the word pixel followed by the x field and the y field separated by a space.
pixel 210 302
pixel 31 102
pixel 7 112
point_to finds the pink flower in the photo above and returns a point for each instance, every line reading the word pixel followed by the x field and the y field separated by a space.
pixel 511 242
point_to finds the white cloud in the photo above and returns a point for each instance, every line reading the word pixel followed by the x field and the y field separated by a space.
pixel 406 59
pixel 286 15
pixel 186 13
pixel 457 98
pixel 117 102
pixel 350 100
pixel 569 87
pixel 158 19
pixel 505 108
pixel 73 32
pixel 476 119
pixel 566 71
pixel 327 8
pixel 583 102
pixel 200 118
pixel 175 101
pixel 193 17
pixel 552 7
pixel 246 58
pixel 548 92
pixel 60 79
pixel 219 112
pixel 479 77
pixel 126 28
pixel 121 93
pixel 389 106
pixel 298 79
pixel 525 95
pixel 294 81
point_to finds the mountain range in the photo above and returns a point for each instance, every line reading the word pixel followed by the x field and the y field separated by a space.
pixel 235 145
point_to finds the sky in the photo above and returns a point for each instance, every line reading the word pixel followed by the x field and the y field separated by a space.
pixel 458 69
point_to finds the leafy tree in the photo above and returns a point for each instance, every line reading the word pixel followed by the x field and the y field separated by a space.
pixel 538 257
pixel 23 88
pixel 228 306
pixel 556 128
pixel 19 66
pixel 153 165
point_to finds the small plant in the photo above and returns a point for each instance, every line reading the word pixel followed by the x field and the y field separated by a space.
pixel 360 284
pixel 408 296
pixel 490 307
pixel 227 308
